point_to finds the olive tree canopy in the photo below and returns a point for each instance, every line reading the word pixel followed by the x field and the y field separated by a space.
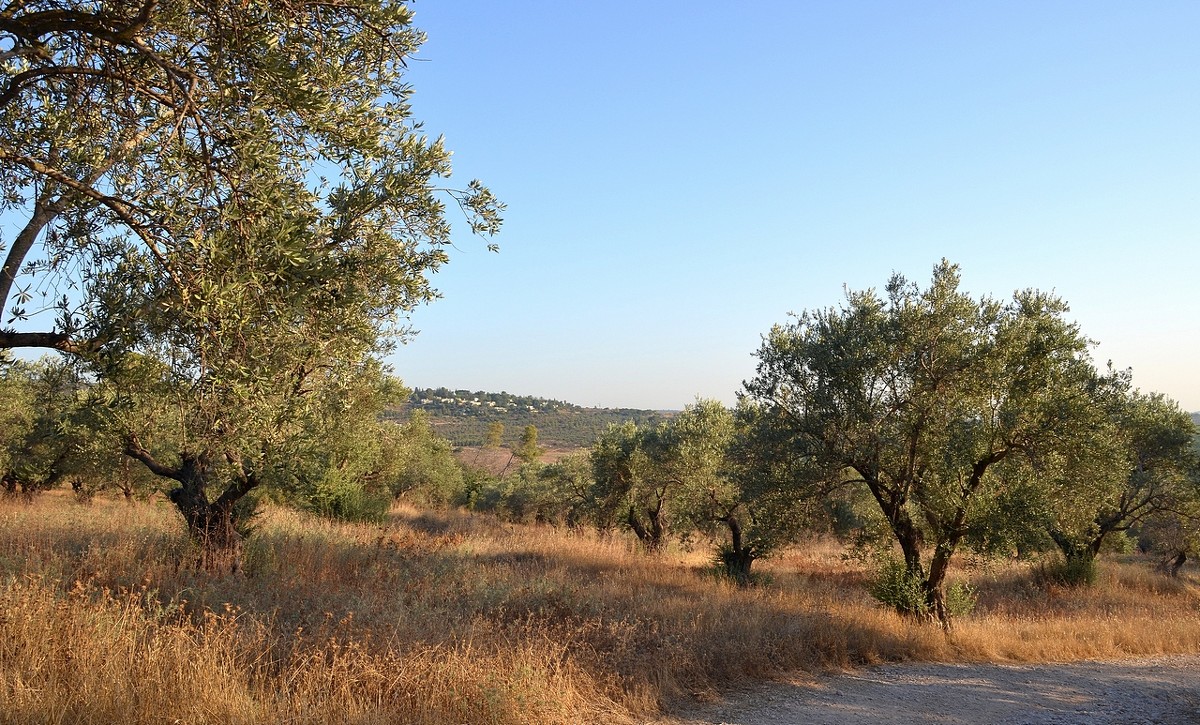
pixel 146 146
pixel 924 396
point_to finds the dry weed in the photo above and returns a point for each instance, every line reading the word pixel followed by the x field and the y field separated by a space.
pixel 445 617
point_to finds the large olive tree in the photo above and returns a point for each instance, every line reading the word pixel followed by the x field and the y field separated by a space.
pixel 225 207
pixel 924 396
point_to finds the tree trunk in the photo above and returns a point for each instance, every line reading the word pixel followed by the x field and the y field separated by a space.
pixel 935 584
pixel 1080 559
pixel 907 534
pixel 1176 563
pixel 211 524
pixel 911 544
pixel 652 535
pixel 738 557
pixel 658 525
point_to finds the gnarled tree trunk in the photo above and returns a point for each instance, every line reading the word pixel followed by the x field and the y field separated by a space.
pixel 653 533
pixel 211 524
pixel 739 556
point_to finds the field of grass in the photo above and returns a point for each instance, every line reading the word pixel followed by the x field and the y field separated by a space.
pixel 447 617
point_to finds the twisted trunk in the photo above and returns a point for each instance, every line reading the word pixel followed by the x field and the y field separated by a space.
pixel 653 533
pixel 738 558
pixel 213 525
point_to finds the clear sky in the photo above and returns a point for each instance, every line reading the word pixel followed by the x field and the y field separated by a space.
pixel 681 175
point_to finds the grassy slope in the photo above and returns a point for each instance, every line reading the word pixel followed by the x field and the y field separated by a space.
pixel 448 618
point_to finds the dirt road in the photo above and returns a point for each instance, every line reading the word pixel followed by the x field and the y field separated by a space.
pixel 1163 690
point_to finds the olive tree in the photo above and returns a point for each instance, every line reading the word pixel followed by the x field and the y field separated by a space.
pixel 241 204
pixel 924 396
pixel 624 486
pixel 1151 474
pixel 39 445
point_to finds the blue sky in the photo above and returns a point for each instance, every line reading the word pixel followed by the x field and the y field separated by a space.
pixel 679 176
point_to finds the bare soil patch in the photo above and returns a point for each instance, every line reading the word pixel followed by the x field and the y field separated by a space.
pixel 498 461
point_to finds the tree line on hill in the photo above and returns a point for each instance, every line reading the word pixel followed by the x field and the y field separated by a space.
pixel 463 416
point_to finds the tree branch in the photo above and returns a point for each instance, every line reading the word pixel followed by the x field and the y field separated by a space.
pixel 134 449
pixel 60 341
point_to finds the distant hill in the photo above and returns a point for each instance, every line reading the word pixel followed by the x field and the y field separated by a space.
pixel 463 416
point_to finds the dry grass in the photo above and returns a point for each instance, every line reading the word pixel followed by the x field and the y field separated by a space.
pixel 450 618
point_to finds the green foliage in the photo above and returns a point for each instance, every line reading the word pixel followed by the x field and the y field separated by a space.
pixel 42 441
pixel 347 500
pixel 899 588
pixel 1149 471
pixel 528 451
pixel 697 473
pixel 425 468
pixel 495 435
pixel 961 598
pixel 928 398
pixel 557 494
pixel 165 157
pixel 904 591
pixel 1070 571
pixel 470 418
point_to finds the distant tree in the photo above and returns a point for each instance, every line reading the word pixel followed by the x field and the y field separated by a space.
pixel 691 473
pixel 623 487
pixel 1151 475
pixel 735 484
pixel 528 451
pixel 1174 536
pixel 568 486
pixel 495 435
pixel 39 448
pixel 424 463
pixel 924 396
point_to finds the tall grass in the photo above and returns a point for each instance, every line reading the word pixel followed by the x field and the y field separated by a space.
pixel 445 617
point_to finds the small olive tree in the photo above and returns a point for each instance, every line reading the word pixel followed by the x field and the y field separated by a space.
pixel 1150 476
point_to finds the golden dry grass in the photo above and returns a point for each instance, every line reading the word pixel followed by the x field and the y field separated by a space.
pixel 444 617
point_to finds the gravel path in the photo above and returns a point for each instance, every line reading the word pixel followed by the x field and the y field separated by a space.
pixel 1161 690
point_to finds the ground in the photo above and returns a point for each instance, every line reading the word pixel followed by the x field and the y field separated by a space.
pixel 1158 690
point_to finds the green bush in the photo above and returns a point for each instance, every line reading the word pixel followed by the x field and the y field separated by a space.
pixel 961 598
pixel 348 501
pixel 1073 571
pixel 896 587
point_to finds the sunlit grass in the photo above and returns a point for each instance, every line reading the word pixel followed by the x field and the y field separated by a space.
pixel 445 617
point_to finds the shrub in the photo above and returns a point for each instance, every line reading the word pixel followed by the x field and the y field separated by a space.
pixel 344 500
pixel 961 598
pixel 898 588
pixel 1072 571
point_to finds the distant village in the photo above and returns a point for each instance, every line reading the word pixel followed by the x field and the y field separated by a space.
pixel 444 401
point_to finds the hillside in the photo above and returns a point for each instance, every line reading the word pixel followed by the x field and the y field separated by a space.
pixel 463 416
